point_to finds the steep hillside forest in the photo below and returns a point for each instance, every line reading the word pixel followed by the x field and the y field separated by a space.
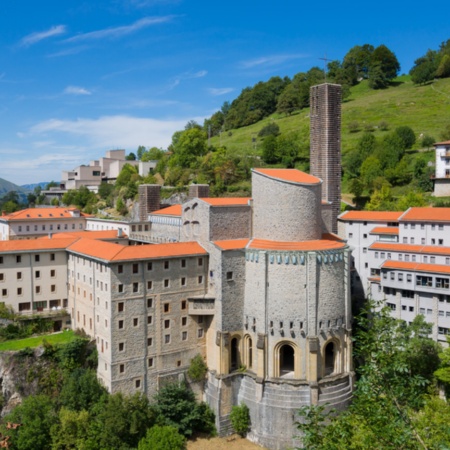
pixel 389 126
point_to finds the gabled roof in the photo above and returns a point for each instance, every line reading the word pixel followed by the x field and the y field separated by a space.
pixel 426 215
pixel 442 143
pixel 174 210
pixel 409 248
pixel 27 245
pixel 42 213
pixel 232 244
pixel 385 230
pixel 371 216
pixel 115 252
pixel 416 267
pixel 328 243
pixel 291 175
pixel 226 201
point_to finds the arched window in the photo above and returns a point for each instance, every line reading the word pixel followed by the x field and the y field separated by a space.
pixel 329 358
pixel 234 354
pixel 287 361
pixel 248 352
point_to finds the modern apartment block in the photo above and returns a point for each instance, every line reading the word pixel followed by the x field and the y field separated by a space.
pixel 403 259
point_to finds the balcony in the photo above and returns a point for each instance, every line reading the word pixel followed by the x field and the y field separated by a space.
pixel 201 306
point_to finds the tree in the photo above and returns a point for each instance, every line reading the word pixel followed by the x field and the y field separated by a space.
pixel 289 100
pixel 269 150
pixel 191 144
pixel 240 419
pixel 131 157
pixel 140 151
pixel 381 200
pixel 270 129
pixel 370 169
pixel 357 62
pixel 386 60
pixel 162 438
pixel 406 134
pixel 71 431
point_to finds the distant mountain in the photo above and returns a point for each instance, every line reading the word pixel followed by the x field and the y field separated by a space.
pixel 30 187
pixel 7 186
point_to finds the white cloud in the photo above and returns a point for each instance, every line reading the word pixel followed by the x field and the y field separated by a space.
pixel 219 91
pixel 175 81
pixel 271 60
pixel 34 38
pixel 76 90
pixel 120 31
pixel 113 131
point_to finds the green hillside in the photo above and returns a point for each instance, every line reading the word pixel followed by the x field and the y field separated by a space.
pixel 426 109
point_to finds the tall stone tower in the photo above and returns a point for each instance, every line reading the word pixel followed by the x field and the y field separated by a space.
pixel 325 134
pixel 149 200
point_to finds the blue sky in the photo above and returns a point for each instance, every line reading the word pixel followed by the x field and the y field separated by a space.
pixel 78 78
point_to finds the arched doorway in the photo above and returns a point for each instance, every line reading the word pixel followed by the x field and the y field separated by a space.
pixel 234 354
pixel 287 361
pixel 329 358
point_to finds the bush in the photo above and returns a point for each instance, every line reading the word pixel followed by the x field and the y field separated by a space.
pixel 162 438
pixel 240 419
pixel 197 369
pixel 383 125
pixel 406 134
pixel 272 129
pixel 353 126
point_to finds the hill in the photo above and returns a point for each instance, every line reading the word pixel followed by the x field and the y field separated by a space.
pixel 424 108
pixel 6 186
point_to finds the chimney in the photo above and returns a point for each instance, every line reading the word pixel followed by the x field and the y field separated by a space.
pixel 149 200
pixel 198 191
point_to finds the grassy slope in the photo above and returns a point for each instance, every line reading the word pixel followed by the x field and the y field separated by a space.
pixel 424 108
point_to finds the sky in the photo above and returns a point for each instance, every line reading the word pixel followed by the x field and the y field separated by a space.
pixel 78 78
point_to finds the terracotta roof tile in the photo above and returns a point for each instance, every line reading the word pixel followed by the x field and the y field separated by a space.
pixel 409 248
pixel 232 244
pixel 42 213
pixel 319 244
pixel 292 175
pixel 35 244
pixel 371 216
pixel 417 267
pixel 174 210
pixel 426 215
pixel 442 143
pixel 385 230
pixel 115 252
pixel 226 201
pixel 89 234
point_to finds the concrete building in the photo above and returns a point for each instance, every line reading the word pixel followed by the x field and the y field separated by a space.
pixel 32 223
pixel 442 174
pixel 403 260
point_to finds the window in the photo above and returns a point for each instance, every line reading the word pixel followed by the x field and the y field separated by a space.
pixel 120 306
pixel 392 276
pixel 19 291
pixel 441 241
pixel 149 342
pixel 166 283
pixel 38 289
pixel 166 307
pixel 24 306
pixel 149 266
pixel 400 257
pixel 149 303
pixel 200 333
pixel 184 336
pixel 183 263
pixel 433 241
pixel 183 321
pixel 422 310
pixel 364 249
pixel 120 324
pixel 423 281
pixel 382 255
pixel 422 241
pixel 376 255
pixel 167 339
pixel 53 288
pixel 183 304
pixel 407 294
pixel 432 259
pixel 433 227
pixel 405 240
pixel 200 279
pixel 408 277
pixel 442 283
pixel 167 323
pixel 121 368
pixel 120 268
pixel 200 261
pixel 135 287
pixel 52 256
pixel 183 281
pixel 392 306
pixel 389 256
pixel 441 313
pixel 120 288
pixel 412 240
pixel 135 322
pixel 425 259
pixel 149 320
pixel 135 268
pixel 19 276
pixel 149 285
pixel 37 258
pixel 150 362
pixel 18 258
pixel 350 235
pixel 166 264
pixel 413 226
pixel 413 258
pixel 447 260
pixel 406 257
pixel 229 276
pixel 400 277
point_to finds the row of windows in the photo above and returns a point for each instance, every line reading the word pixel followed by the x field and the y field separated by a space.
pixel 166 284
pixel 37 290
pixel 149 265
pixel 166 306
pixel 37 274
pixel 423 241
pixel 37 258
pixel 39 306
pixel 408 257
pixel 135 322
pixel 421 280
pixel 50 227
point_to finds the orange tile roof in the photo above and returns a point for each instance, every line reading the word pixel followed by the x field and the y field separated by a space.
pixel 426 215
pixel 226 201
pixel 293 175
pixel 417 267
pixel 385 230
pixel 42 213
pixel 371 216
pixel 319 244
pixel 232 244
pixel 442 143
pixel 35 244
pixel 174 210
pixel 89 234
pixel 374 279
pixel 115 252
pixel 409 248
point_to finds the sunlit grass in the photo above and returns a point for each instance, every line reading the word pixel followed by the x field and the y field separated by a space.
pixel 20 344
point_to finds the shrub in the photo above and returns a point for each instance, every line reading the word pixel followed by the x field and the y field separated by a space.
pixel 272 129
pixel 353 126
pixel 197 369
pixel 406 134
pixel 162 438
pixel 427 141
pixel 240 419
pixel 383 125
